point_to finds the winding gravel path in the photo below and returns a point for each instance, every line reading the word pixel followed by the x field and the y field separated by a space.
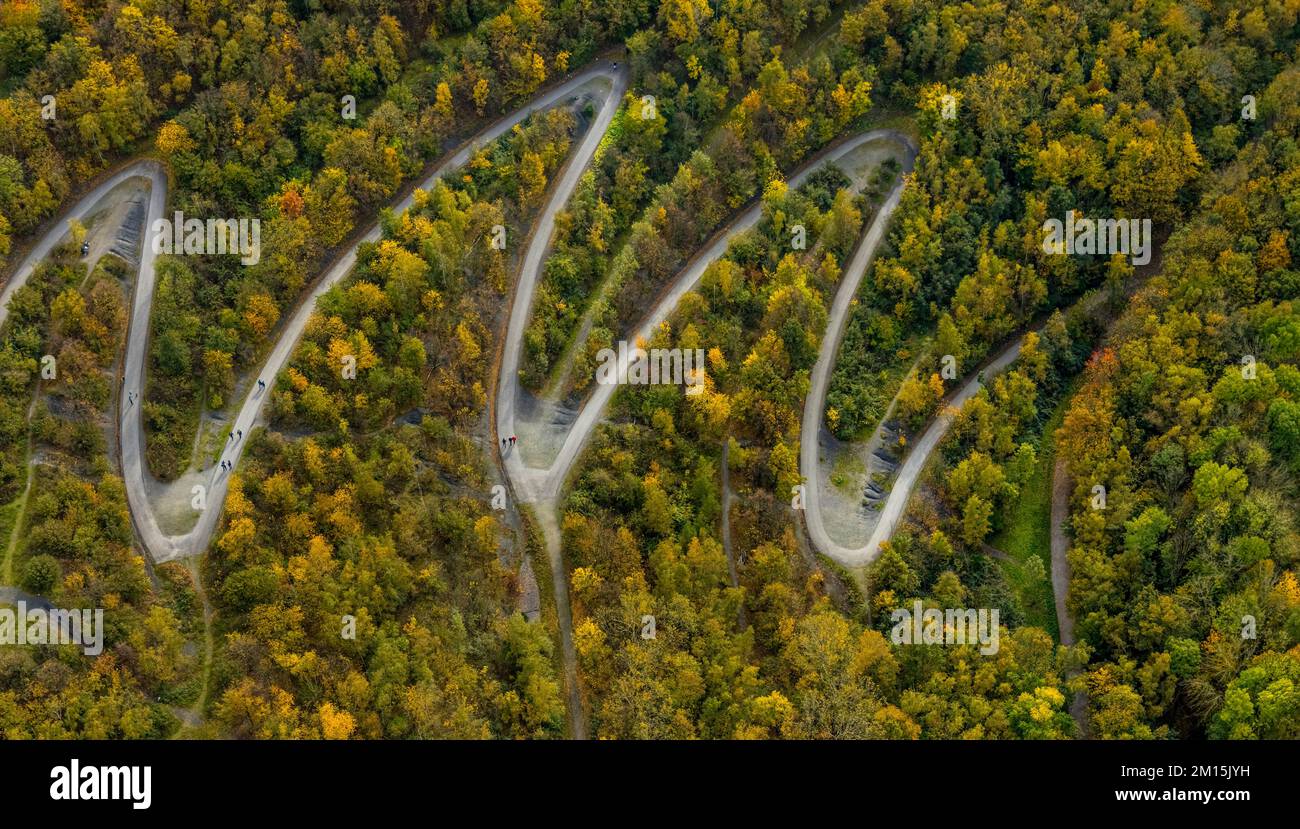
pixel 815 403
pixel 161 546
pixel 1060 546
pixel 541 486
pixel 891 514
pixel 537 484
pixel 895 506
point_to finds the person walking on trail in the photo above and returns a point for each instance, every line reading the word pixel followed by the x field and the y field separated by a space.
pixel 512 440
pixel 241 434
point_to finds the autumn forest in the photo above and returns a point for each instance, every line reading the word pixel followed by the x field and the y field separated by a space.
pixel 993 432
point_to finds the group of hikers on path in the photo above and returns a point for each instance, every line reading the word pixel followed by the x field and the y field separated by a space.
pixel 238 434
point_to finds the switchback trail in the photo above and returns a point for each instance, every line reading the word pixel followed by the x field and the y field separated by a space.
pixel 508 376
pixel 541 485
pixel 909 474
pixel 160 546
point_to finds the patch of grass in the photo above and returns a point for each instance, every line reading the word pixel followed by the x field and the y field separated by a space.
pixel 1035 594
pixel 1028 533
pixel 9 514
pixel 846 475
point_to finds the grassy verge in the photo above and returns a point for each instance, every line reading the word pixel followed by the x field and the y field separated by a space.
pixel 1028 533
pixel 9 515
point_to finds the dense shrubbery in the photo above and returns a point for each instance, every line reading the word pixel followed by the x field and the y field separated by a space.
pixel 388 521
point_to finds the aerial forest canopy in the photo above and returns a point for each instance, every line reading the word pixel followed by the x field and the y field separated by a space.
pixel 371 483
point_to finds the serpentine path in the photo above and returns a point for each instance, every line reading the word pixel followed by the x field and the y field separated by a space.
pixel 535 484
pixel 891 514
pixel 541 486
pixel 160 546
pixel 895 506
